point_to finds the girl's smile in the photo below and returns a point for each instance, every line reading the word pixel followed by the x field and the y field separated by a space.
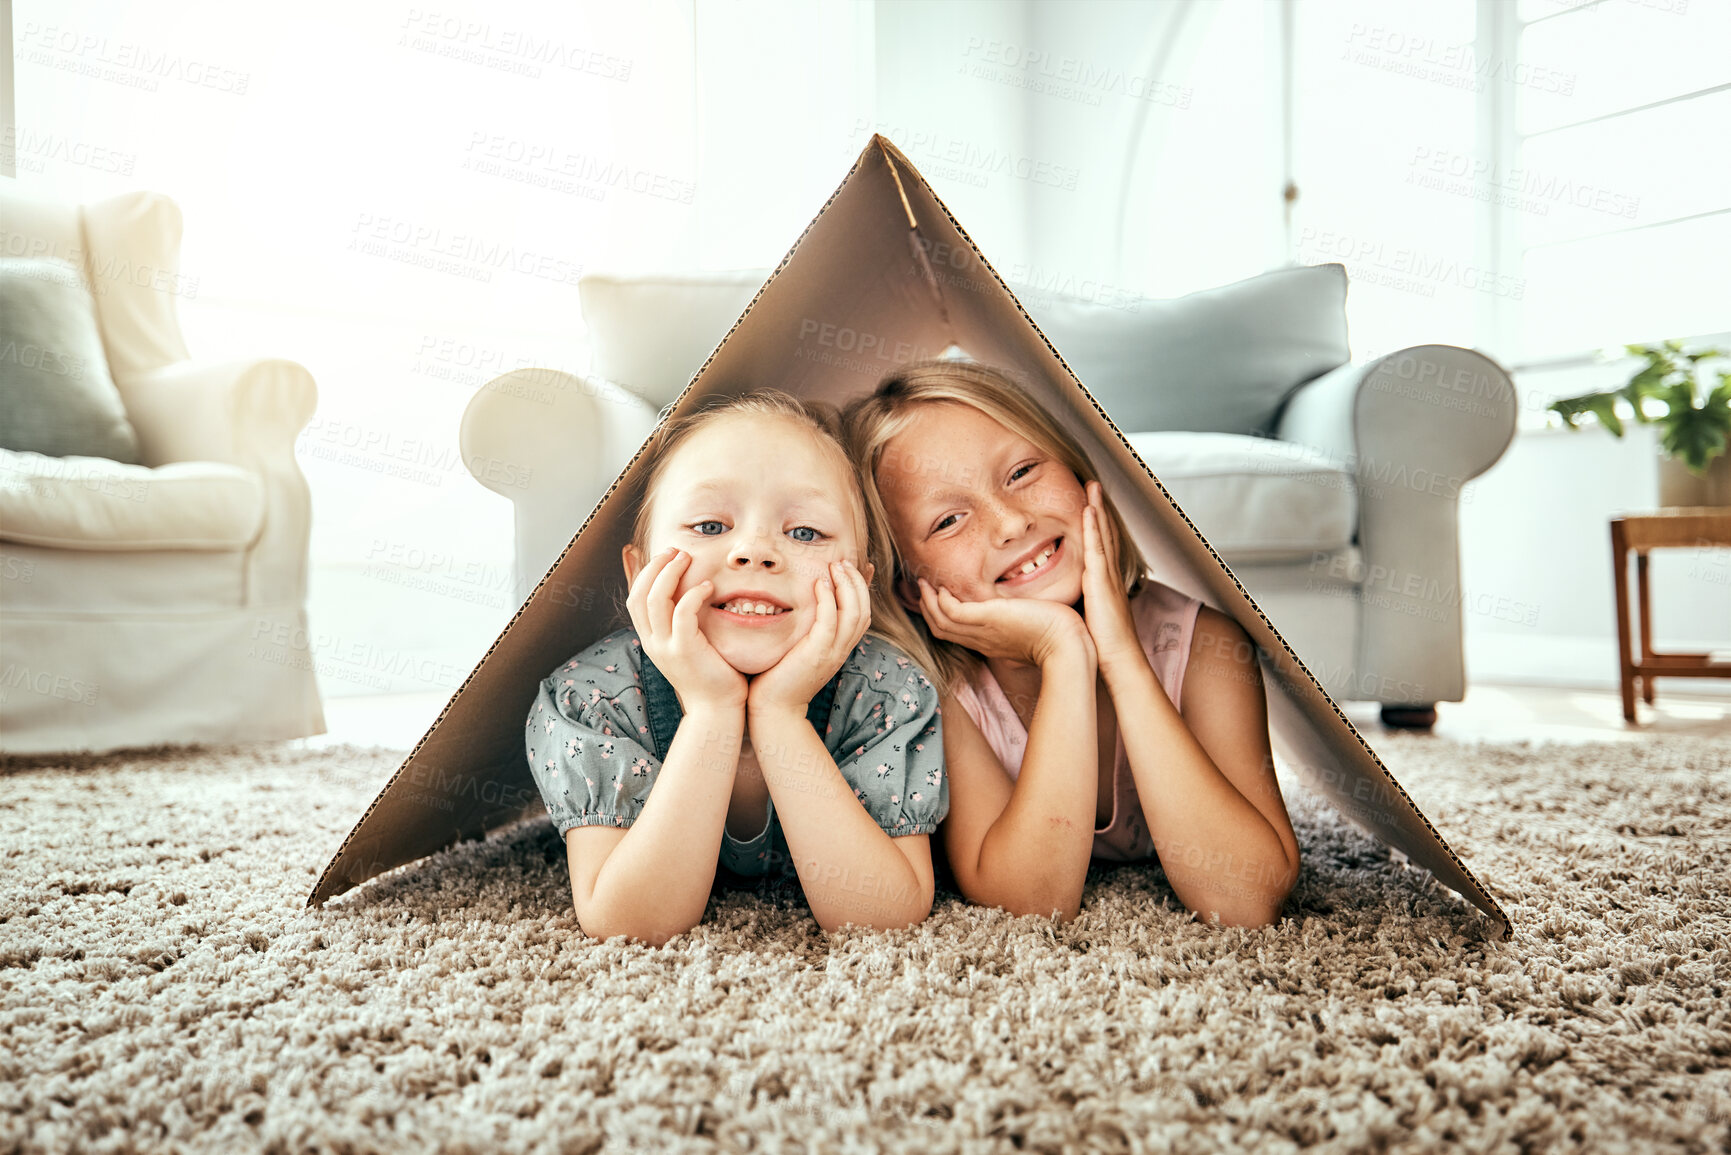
pixel 1035 568
pixel 751 609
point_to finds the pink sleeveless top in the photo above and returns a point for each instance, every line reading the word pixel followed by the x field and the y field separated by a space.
pixel 1165 624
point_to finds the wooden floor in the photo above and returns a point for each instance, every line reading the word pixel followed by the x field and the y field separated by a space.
pixel 1489 713
pixel 1559 714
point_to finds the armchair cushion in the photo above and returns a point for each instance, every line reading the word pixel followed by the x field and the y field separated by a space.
pixel 56 396
pixel 91 503
pixel 651 333
pixel 1256 499
pixel 1217 361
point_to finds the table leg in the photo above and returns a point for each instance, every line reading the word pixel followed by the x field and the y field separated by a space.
pixel 1646 608
pixel 1620 574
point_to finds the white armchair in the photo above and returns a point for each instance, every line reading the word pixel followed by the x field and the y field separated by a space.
pixel 163 602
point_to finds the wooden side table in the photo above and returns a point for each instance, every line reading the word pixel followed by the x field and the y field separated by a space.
pixel 1682 528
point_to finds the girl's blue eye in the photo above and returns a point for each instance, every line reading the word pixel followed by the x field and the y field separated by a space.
pixel 805 529
pixel 1023 471
pixel 702 527
pixel 944 524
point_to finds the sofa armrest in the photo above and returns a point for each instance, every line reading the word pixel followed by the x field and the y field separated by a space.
pixel 245 413
pixel 1413 427
pixel 1441 409
pixel 551 442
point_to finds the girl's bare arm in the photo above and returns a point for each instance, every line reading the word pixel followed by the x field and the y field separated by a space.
pixel 652 880
pixel 835 844
pixel 1225 853
pixel 850 869
pixel 1024 843
pixel 1205 777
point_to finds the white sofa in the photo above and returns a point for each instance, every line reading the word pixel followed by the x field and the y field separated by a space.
pixel 162 602
pixel 1330 489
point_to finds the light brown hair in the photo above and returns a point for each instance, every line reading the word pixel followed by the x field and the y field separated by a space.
pixel 872 422
pixel 818 418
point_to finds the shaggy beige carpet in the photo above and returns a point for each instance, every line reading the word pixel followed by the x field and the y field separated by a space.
pixel 162 986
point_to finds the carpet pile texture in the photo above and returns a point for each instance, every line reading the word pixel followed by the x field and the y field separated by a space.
pixel 163 986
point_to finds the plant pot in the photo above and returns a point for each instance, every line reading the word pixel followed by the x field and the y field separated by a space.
pixel 1679 487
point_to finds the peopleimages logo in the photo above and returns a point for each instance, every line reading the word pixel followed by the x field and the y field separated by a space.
pixel 460 254
pixel 1033 283
pixel 1369 260
pixel 968 161
pixel 1527 189
pixel 546 164
pixel 1066 77
pixel 351 660
pixel 35 151
pixel 520 51
pixel 104 270
pixel 49 684
pixel 1453 65
pixel 97 57
pixel 843 339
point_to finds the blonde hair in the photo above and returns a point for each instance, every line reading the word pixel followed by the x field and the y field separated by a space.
pixel 818 418
pixel 872 422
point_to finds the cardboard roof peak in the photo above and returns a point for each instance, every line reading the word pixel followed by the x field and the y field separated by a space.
pixel 883 274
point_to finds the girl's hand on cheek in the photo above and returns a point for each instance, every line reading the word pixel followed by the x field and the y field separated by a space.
pixel 1105 605
pixel 669 634
pixel 1020 629
pixel 843 614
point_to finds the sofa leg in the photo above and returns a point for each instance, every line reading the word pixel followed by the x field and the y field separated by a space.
pixel 1409 717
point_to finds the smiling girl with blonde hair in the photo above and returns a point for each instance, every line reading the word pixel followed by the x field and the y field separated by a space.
pixel 1091 711
pixel 746 719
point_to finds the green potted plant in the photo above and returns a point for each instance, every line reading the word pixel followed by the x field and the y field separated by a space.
pixel 1694 419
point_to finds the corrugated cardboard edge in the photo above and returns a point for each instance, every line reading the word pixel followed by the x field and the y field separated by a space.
pixel 329 885
pixel 1485 900
pixel 323 890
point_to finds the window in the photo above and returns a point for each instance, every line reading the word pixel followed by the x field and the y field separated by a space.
pixel 1621 217
pixel 1385 148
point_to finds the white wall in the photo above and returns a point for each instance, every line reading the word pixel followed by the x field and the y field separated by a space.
pixel 1093 147
pixel 780 97
pixel 968 136
pixel 1536 554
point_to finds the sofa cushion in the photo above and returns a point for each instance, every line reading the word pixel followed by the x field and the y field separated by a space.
pixel 96 504
pixel 651 333
pixel 1221 360
pixel 1254 498
pixel 56 396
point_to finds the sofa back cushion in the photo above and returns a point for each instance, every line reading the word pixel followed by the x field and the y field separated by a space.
pixel 56 397
pixel 651 333
pixel 1218 361
pixel 128 247
pixel 133 243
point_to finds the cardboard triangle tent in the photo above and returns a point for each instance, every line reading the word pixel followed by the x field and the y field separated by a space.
pixel 888 275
